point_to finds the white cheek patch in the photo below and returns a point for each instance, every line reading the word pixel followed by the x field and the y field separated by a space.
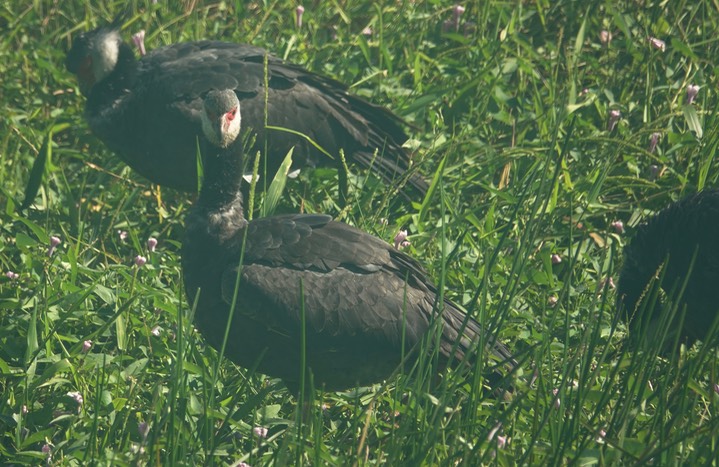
pixel 234 130
pixel 104 57
pixel 208 130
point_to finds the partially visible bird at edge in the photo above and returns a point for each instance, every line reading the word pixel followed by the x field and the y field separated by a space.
pixel 677 250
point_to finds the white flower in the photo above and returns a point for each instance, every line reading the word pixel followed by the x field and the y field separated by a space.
pixel 139 40
pixel 618 227
pixel 692 91
pixel 299 11
pixel 657 43
pixel 400 240
pixel 614 116
pixel 605 37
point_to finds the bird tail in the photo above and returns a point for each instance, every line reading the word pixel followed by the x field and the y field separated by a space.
pixel 392 171
pixel 462 337
pixel 386 132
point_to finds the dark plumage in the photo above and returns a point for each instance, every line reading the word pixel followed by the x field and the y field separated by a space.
pixel 355 286
pixel 667 243
pixel 148 110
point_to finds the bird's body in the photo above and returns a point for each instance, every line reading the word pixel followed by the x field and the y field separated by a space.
pixel 148 110
pixel 685 232
pixel 365 304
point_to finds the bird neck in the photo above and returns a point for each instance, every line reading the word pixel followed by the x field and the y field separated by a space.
pixel 117 82
pixel 222 180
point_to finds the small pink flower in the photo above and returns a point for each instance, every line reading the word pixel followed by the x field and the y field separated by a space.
pixel 54 242
pixel 47 450
pixel 140 261
pixel 299 11
pixel 400 240
pixel 139 40
pixel 614 116
pixel 552 301
pixel 605 37
pixel 260 431
pixel 457 12
pixel 618 227
pixel 692 91
pixel 653 141
pixel 556 259
pixel 86 346
pixel 501 441
pixel 657 43
pixel 12 275
pixel 122 234
pixel 151 244
pixel 452 25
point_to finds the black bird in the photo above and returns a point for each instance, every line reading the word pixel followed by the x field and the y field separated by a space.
pixel 362 298
pixel 686 231
pixel 148 110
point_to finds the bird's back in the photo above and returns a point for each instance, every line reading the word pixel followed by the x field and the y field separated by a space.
pixel 359 299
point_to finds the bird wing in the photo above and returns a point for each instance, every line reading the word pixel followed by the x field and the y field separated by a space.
pixel 187 70
pixel 343 278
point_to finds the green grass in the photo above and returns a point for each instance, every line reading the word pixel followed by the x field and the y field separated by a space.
pixel 512 123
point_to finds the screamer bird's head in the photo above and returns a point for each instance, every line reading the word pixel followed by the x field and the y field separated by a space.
pixel 94 55
pixel 221 117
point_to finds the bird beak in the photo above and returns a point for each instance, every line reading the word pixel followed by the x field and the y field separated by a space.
pixel 217 126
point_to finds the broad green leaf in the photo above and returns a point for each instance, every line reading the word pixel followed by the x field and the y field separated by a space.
pixel 274 192
pixel 692 118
